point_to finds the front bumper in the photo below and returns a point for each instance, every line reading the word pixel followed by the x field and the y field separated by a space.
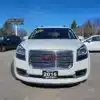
pixel 66 76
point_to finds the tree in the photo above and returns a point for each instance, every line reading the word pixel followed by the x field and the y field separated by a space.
pixel 98 32
pixel 2 32
pixel 22 33
pixel 8 28
pixel 79 31
pixel 88 29
pixel 74 25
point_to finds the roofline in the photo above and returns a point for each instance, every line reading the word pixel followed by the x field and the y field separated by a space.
pixel 53 27
pixel 95 35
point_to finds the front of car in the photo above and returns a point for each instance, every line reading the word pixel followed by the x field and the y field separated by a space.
pixel 52 56
pixel 2 42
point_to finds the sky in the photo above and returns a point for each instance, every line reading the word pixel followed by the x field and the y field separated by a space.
pixel 49 12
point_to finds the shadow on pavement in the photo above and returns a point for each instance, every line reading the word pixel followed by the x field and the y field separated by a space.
pixel 50 85
pixel 7 50
pixel 94 51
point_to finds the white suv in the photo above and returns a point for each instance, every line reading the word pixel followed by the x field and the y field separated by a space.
pixel 52 55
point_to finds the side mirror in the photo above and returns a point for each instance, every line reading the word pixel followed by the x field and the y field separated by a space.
pixel 88 41
pixel 25 38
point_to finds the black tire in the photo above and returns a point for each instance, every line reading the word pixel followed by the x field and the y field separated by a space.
pixel 12 70
pixel 2 48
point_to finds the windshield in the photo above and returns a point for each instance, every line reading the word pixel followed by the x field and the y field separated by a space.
pixel 53 33
pixel 1 38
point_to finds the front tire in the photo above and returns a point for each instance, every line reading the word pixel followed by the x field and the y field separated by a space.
pixel 2 48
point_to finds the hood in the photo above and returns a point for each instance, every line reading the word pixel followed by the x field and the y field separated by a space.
pixel 51 44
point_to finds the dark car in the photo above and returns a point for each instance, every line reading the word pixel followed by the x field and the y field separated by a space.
pixel 9 42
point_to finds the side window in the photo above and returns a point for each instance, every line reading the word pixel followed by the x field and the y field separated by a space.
pixel 8 38
pixel 15 38
pixel 90 39
pixel 32 34
pixel 96 38
pixel 1 38
pixel 11 38
pixel 18 39
pixel 72 34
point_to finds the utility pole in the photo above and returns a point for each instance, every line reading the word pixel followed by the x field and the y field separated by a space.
pixel 16 31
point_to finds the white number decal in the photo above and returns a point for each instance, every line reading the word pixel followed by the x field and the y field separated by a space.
pixel 45 74
pixel 49 74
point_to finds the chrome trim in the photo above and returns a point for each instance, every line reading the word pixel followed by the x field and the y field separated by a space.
pixel 56 59
pixel 56 65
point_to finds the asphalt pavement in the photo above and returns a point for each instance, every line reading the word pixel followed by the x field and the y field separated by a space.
pixel 11 89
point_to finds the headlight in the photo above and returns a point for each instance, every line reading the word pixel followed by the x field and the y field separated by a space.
pixel 20 53
pixel 82 53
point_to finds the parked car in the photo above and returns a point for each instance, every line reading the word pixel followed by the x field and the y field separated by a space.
pixel 9 42
pixel 51 55
pixel 92 43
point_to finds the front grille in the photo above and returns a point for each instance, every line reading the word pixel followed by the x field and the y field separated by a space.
pixel 35 59
pixel 64 59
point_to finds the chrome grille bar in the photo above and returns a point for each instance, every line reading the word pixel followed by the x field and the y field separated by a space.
pixel 64 59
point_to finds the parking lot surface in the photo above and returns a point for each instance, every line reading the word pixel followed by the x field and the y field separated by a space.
pixel 11 89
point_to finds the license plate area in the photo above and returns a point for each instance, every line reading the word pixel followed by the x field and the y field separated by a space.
pixel 49 74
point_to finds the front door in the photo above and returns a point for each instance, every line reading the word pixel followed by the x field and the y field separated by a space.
pixel 94 44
